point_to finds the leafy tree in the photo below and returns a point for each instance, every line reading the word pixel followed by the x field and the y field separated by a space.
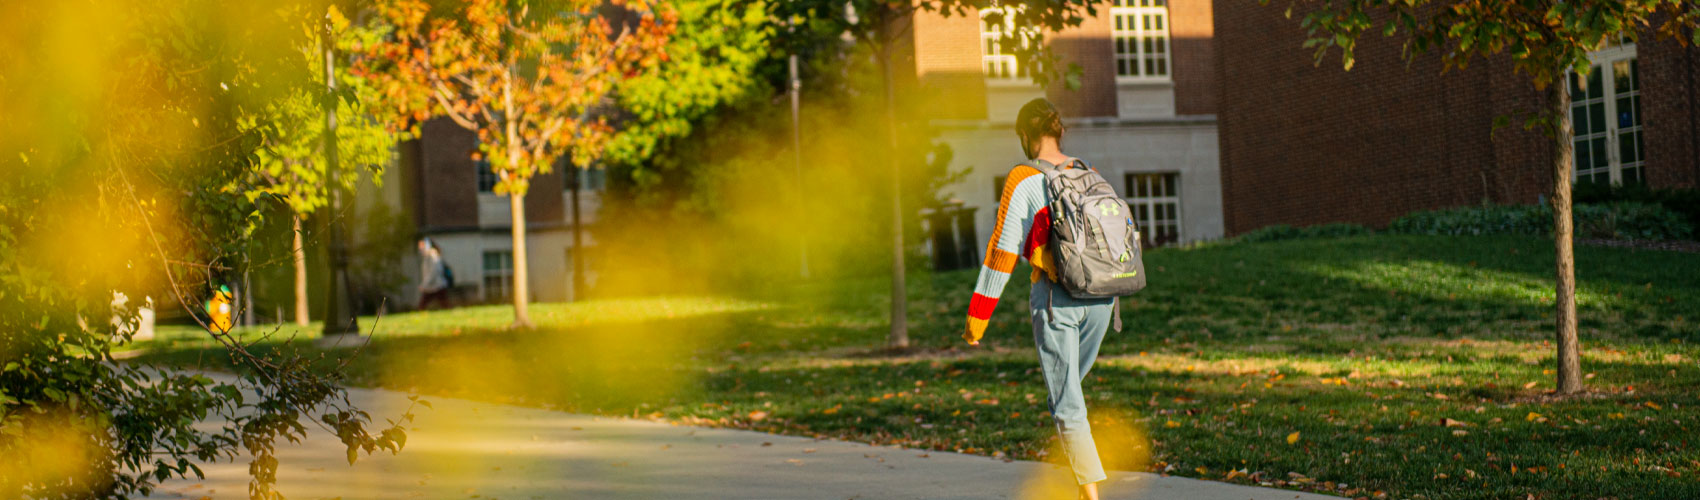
pixel 713 60
pixel 125 158
pixel 1544 39
pixel 882 25
pixel 529 84
pixel 288 168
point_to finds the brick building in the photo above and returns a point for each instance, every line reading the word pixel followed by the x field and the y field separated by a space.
pixel 1144 114
pixel 449 197
pixel 1305 144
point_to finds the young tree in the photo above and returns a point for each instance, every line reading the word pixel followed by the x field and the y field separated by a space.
pixel 1544 39
pixel 126 156
pixel 289 167
pixel 882 25
pixel 529 79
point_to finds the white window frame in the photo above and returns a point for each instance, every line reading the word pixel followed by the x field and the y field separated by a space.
pixel 1148 223
pixel 1611 134
pixel 504 273
pixel 992 54
pixel 1132 22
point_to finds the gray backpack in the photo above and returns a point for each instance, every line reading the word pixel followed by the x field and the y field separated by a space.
pixel 1094 242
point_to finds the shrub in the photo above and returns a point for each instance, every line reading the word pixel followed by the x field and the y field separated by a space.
pixel 1619 221
pixel 1685 202
pixel 1285 232
pixel 1520 219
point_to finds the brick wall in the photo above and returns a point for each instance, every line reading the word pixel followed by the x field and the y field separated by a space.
pixel 947 64
pixel 448 185
pixel 445 181
pixel 1669 75
pixel 1088 45
pixel 545 204
pixel 1306 144
pixel 1192 34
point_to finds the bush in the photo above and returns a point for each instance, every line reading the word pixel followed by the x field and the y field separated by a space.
pixel 1617 221
pixel 1285 232
pixel 1631 221
pixel 1521 219
pixel 1685 202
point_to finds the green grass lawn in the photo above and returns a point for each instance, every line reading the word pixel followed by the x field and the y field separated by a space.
pixel 1412 366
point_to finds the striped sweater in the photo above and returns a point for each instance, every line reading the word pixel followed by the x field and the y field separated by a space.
pixel 1022 228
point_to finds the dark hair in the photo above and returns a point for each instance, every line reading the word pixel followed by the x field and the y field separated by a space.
pixel 1037 119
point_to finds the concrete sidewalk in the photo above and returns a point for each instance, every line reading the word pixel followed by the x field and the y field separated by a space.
pixel 464 449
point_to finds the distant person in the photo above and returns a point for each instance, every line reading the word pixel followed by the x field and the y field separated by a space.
pixel 1067 330
pixel 435 279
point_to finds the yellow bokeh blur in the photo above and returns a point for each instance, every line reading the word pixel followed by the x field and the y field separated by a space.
pixel 1123 445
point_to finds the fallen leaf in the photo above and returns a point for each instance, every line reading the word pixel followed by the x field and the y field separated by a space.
pixel 1530 385
pixel 1293 438
pixel 758 416
pixel 1447 422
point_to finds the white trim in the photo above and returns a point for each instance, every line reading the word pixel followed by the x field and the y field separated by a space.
pixel 505 274
pixel 1150 221
pixel 1611 134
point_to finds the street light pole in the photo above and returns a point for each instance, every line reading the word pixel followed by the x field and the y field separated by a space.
pixel 797 151
pixel 339 313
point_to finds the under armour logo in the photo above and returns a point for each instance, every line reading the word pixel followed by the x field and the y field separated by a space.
pixel 1108 208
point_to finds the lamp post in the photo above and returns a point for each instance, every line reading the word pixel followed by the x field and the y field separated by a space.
pixel 339 313
pixel 797 151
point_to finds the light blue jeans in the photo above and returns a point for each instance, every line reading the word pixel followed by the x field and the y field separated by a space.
pixel 1068 333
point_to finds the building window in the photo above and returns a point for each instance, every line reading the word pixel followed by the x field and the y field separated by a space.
pixel 486 177
pixel 1141 33
pixel 589 179
pixel 1605 110
pixel 1156 202
pixel 997 55
pixel 498 275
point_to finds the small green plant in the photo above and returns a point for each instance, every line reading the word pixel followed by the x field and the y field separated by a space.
pixel 1616 221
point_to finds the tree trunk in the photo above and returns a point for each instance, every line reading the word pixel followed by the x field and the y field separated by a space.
pixel 578 237
pixel 899 337
pixel 299 249
pixel 521 293
pixel 516 200
pixel 1569 355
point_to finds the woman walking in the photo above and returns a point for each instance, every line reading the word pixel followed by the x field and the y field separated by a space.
pixel 1067 330
pixel 434 278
